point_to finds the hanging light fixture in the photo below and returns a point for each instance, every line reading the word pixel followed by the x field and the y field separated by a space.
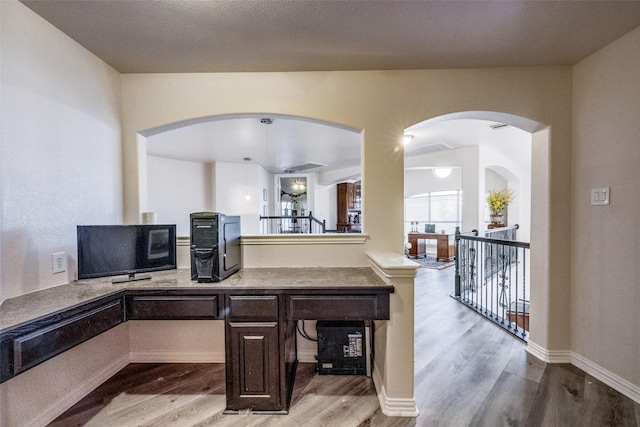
pixel 406 139
pixel 247 197
pixel 298 186
pixel 267 158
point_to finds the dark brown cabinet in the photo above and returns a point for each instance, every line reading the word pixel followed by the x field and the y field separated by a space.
pixel 253 353
pixel 349 206
pixel 49 340
pixel 252 307
pixel 174 307
pixel 253 367
pixel 260 325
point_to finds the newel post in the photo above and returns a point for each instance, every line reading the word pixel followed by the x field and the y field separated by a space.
pixel 457 282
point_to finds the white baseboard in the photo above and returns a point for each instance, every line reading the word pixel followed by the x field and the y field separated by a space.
pixel 390 406
pixel 67 400
pixel 549 356
pixel 176 357
pixel 614 381
pixel 307 356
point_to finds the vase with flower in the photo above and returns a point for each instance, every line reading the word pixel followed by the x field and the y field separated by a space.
pixel 497 202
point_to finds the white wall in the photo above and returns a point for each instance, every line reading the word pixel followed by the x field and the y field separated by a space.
pixel 508 152
pixel 466 159
pixel 326 197
pixel 176 188
pixel 605 240
pixel 61 148
pixel 264 183
pixel 234 182
pixel 422 180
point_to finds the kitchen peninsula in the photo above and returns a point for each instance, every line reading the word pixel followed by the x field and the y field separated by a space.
pixel 260 308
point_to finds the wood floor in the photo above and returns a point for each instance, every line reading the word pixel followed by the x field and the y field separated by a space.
pixel 468 372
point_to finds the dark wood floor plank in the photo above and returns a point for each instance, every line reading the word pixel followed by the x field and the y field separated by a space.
pixel 525 365
pixel 603 406
pixel 560 398
pixel 508 403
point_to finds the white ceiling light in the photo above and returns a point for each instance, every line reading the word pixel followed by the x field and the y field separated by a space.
pixel 406 139
pixel 442 173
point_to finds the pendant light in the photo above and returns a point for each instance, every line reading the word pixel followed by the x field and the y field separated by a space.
pixel 247 197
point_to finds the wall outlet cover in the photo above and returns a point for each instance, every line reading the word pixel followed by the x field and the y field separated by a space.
pixel 59 262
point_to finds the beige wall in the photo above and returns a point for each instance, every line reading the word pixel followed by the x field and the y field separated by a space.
pixel 383 104
pixel 605 273
pixel 62 107
pixel 60 152
pixel 39 395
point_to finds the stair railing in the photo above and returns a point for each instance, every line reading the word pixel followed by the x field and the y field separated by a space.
pixel 292 224
pixel 492 275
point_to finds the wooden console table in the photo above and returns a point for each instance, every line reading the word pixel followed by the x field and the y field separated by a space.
pixel 445 249
pixel 260 308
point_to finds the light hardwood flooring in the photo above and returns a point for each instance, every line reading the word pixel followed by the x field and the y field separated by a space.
pixel 468 372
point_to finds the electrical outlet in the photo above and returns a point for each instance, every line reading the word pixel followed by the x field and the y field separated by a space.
pixel 59 262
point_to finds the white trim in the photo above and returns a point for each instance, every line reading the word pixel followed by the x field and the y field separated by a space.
pixel 393 407
pixel 176 357
pixel 614 381
pixel 549 356
pixel 76 394
pixel 304 239
pixel 392 265
pixel 308 356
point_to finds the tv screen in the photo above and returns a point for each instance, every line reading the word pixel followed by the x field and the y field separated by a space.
pixel 112 250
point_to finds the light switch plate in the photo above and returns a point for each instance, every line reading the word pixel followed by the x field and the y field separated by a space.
pixel 600 196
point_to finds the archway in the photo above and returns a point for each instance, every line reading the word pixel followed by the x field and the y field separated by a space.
pixel 538 193
pixel 234 162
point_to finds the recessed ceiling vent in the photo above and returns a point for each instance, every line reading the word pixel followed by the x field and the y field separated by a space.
pixel 303 167
pixel 426 149
pixel 497 126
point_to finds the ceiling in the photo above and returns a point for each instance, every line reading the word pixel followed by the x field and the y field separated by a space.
pixel 280 146
pixel 135 36
pixel 293 35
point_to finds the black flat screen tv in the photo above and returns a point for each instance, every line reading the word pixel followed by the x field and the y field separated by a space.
pixel 114 250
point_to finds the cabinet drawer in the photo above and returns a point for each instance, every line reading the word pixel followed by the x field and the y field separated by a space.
pixel 188 307
pixel 42 344
pixel 332 307
pixel 243 307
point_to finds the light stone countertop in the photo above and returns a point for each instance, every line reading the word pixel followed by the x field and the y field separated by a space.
pixel 31 306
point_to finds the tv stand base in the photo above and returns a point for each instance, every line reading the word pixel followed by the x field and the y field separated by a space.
pixel 132 278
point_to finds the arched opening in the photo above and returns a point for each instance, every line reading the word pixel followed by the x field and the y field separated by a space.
pixel 243 164
pixel 491 150
pixel 468 144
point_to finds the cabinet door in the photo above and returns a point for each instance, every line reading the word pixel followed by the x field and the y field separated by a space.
pixel 252 366
pixel 351 196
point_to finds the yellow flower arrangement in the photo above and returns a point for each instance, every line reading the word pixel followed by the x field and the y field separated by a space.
pixel 498 200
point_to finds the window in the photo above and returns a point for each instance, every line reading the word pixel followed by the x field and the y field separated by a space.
pixel 441 208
